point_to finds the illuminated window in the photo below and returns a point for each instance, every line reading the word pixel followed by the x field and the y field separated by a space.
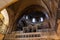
pixel 5 19
pixel 33 20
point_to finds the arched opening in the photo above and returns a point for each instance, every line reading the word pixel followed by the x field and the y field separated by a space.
pixel 33 16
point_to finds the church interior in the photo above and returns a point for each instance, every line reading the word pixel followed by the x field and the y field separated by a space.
pixel 29 19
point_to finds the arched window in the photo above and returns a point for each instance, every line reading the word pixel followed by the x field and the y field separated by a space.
pixel 4 21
